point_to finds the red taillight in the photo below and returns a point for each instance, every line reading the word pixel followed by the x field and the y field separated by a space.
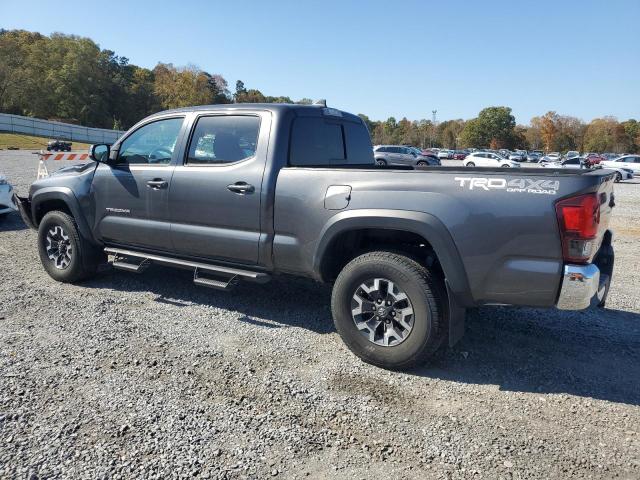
pixel 578 218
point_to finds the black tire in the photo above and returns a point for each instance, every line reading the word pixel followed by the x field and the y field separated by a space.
pixel 84 258
pixel 422 164
pixel 423 290
pixel 618 177
pixel 470 164
pixel 380 162
pixel 506 166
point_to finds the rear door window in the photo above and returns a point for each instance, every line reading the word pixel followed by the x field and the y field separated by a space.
pixel 317 141
pixel 224 139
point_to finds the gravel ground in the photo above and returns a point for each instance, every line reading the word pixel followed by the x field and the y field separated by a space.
pixel 149 376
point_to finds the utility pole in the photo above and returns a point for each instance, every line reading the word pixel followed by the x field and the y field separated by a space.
pixel 434 121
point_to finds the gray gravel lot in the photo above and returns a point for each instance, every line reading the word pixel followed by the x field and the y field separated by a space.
pixel 149 376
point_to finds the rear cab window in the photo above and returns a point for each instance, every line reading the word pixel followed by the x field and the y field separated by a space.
pixel 329 140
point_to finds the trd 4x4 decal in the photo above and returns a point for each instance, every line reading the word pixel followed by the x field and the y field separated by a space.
pixel 517 185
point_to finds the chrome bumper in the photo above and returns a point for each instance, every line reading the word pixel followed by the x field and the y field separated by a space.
pixel 580 283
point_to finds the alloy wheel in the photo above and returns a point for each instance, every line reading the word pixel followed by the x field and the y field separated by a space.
pixel 382 312
pixel 59 248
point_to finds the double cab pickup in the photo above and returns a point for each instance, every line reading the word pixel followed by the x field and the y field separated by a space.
pixel 248 191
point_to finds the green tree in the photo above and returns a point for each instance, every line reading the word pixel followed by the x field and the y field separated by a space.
pixel 494 126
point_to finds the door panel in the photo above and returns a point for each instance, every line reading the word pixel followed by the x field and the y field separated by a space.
pixel 130 212
pixel 215 201
pixel 131 196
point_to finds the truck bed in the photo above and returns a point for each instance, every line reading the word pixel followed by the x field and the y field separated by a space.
pixel 501 223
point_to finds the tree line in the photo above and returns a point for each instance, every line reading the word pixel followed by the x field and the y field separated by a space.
pixel 70 78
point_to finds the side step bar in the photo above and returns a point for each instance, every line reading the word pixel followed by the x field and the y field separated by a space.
pixel 226 277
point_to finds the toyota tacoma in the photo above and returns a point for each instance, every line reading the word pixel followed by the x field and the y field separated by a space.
pixel 245 192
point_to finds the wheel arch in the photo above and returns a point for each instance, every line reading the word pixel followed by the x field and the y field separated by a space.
pixel 59 198
pixel 409 224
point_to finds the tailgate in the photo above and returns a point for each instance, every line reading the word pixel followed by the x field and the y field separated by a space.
pixel 607 202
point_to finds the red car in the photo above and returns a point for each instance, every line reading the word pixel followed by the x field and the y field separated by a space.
pixel 593 159
pixel 459 155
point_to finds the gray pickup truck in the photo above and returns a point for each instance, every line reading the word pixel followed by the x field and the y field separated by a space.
pixel 244 192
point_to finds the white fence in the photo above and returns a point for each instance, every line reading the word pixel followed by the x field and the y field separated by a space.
pixel 59 130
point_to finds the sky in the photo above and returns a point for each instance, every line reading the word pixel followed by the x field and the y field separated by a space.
pixel 399 58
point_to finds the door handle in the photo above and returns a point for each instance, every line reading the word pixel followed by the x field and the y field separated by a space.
pixel 241 188
pixel 157 183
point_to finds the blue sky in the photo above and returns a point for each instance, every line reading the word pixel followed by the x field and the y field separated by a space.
pixel 383 58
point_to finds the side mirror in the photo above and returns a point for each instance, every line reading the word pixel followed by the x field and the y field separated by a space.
pixel 100 152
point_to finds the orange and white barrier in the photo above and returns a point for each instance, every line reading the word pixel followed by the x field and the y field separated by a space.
pixel 63 156
pixel 43 172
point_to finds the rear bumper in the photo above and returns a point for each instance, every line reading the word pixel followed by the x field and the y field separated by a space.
pixel 580 283
pixel 24 207
pixel 584 285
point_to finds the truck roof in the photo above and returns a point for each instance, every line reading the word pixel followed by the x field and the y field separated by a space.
pixel 273 107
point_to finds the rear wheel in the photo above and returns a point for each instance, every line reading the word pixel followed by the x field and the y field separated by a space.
pixel 506 166
pixel 388 309
pixel 65 255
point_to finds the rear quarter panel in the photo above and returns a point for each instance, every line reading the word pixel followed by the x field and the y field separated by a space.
pixel 507 238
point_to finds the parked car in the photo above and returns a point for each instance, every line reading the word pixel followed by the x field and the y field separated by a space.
pixel 245 192
pixel 460 155
pixel 445 154
pixel 534 157
pixel 621 173
pixel 6 195
pixel 551 157
pixel 572 154
pixel 58 146
pixel 517 157
pixel 398 155
pixel 592 159
pixel 574 162
pixel 488 159
pixel 631 162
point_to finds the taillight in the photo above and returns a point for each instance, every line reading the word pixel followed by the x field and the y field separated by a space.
pixel 578 218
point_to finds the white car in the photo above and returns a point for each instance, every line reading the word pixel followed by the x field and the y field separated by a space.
pixel 487 159
pixel 551 157
pixel 575 162
pixel 444 154
pixel 621 173
pixel 631 162
pixel 6 192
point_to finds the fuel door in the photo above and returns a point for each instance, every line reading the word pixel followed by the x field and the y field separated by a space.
pixel 337 197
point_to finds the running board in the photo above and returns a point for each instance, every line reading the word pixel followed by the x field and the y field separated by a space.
pixel 224 284
pixel 121 263
pixel 124 260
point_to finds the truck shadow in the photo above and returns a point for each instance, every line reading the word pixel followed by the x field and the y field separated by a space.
pixel 282 303
pixel 593 354
pixel 589 354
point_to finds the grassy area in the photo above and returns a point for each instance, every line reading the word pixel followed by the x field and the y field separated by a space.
pixel 27 142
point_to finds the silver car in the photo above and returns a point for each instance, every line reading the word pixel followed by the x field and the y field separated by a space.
pixel 401 155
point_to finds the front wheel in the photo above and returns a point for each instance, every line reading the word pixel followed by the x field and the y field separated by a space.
pixel 388 309
pixel 381 163
pixel 506 166
pixel 65 255
pixel 618 177
pixel 470 164
pixel 422 164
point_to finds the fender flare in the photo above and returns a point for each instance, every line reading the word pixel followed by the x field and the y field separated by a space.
pixel 424 224
pixel 67 196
